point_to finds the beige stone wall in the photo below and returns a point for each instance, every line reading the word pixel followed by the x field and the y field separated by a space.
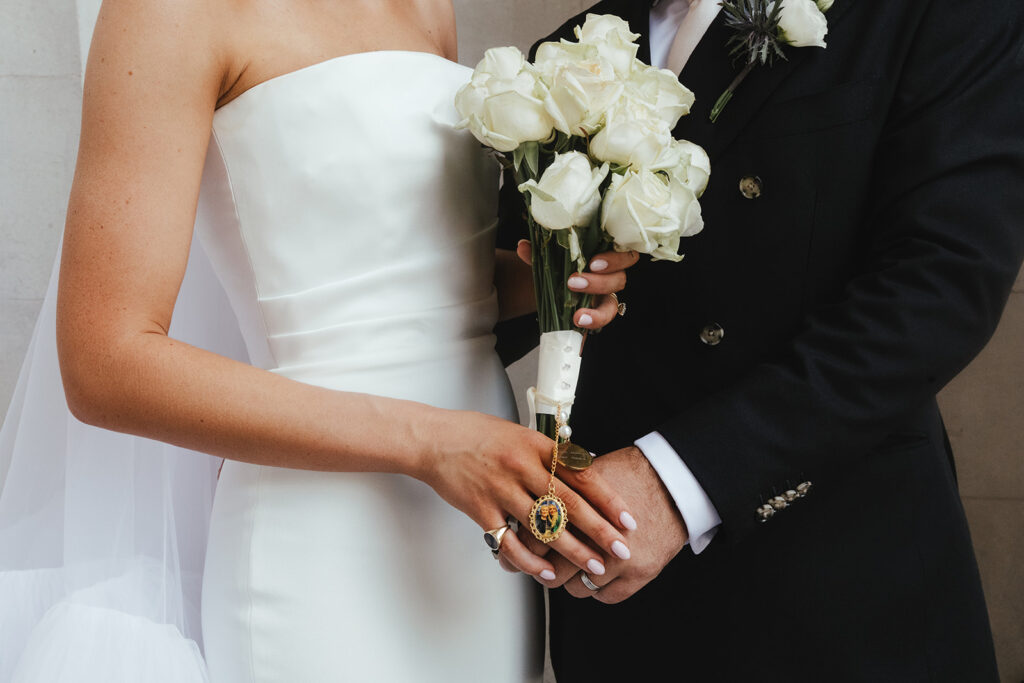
pixel 40 68
pixel 984 412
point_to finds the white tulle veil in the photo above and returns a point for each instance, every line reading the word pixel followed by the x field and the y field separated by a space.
pixel 103 535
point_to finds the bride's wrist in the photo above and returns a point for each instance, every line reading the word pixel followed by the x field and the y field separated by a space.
pixel 427 437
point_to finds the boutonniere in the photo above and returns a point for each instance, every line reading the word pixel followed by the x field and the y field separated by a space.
pixel 762 27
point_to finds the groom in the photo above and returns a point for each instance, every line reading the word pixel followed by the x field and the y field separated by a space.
pixel 767 407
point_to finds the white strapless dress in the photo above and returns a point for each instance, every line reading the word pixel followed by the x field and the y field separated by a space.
pixel 353 229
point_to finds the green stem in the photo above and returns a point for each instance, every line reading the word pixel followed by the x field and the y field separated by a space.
pixel 724 98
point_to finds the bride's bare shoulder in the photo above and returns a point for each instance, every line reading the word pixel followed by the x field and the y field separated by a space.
pixel 163 41
pixel 440 18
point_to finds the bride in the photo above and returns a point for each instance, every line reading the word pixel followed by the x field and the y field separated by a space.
pixel 311 146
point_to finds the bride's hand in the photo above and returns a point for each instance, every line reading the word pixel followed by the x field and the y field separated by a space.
pixel 604 278
pixel 490 468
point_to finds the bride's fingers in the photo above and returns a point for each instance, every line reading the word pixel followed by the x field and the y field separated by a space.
pixel 600 316
pixel 506 565
pixel 582 515
pixel 605 274
pixel 524 251
pixel 588 522
pixel 601 495
pixel 597 283
pixel 581 555
pixel 519 556
pixel 611 261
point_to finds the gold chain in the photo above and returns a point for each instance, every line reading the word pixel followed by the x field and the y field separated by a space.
pixel 554 449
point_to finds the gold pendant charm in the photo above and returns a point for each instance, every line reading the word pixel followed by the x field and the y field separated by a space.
pixel 548 518
pixel 574 457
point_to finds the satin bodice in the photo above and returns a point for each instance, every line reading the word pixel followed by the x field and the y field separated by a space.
pixel 353 226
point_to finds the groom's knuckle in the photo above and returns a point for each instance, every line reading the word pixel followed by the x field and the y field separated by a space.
pixel 586 478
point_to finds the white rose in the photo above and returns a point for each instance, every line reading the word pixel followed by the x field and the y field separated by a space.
pixel 613 39
pixel 825 5
pixel 604 26
pixel 661 91
pixel 648 213
pixel 503 104
pixel 581 86
pixel 802 24
pixel 632 137
pixel 568 193
pixel 688 163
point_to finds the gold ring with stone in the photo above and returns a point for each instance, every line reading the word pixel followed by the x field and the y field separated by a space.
pixel 494 537
pixel 588 583
pixel 620 306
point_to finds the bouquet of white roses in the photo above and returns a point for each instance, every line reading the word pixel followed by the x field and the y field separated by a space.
pixel 587 131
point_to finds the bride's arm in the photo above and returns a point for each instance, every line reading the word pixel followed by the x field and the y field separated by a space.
pixel 156 71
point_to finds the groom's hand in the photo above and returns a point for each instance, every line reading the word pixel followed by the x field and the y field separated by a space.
pixel 659 536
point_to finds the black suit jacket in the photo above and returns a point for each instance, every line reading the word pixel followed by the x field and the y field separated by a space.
pixel 873 268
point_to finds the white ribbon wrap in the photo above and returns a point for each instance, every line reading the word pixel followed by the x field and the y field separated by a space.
pixel 558 371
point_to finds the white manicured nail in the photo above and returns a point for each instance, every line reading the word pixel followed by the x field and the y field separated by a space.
pixel 597 265
pixel 595 567
pixel 547 575
pixel 577 282
pixel 585 320
pixel 627 521
pixel 620 550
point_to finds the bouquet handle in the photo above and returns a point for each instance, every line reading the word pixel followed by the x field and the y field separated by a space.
pixel 558 371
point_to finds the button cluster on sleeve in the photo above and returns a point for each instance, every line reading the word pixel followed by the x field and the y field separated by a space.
pixel 781 502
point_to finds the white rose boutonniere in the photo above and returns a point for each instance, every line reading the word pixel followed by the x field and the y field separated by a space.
pixel 802 24
pixel 763 27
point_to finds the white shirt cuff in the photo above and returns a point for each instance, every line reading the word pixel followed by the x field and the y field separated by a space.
pixel 699 513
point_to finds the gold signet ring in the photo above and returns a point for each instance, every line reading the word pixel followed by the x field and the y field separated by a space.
pixel 494 537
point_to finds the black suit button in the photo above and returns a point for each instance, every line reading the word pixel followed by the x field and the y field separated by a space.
pixel 751 186
pixel 712 334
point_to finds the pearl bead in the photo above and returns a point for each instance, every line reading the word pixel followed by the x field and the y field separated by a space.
pixel 563 416
pixel 565 432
